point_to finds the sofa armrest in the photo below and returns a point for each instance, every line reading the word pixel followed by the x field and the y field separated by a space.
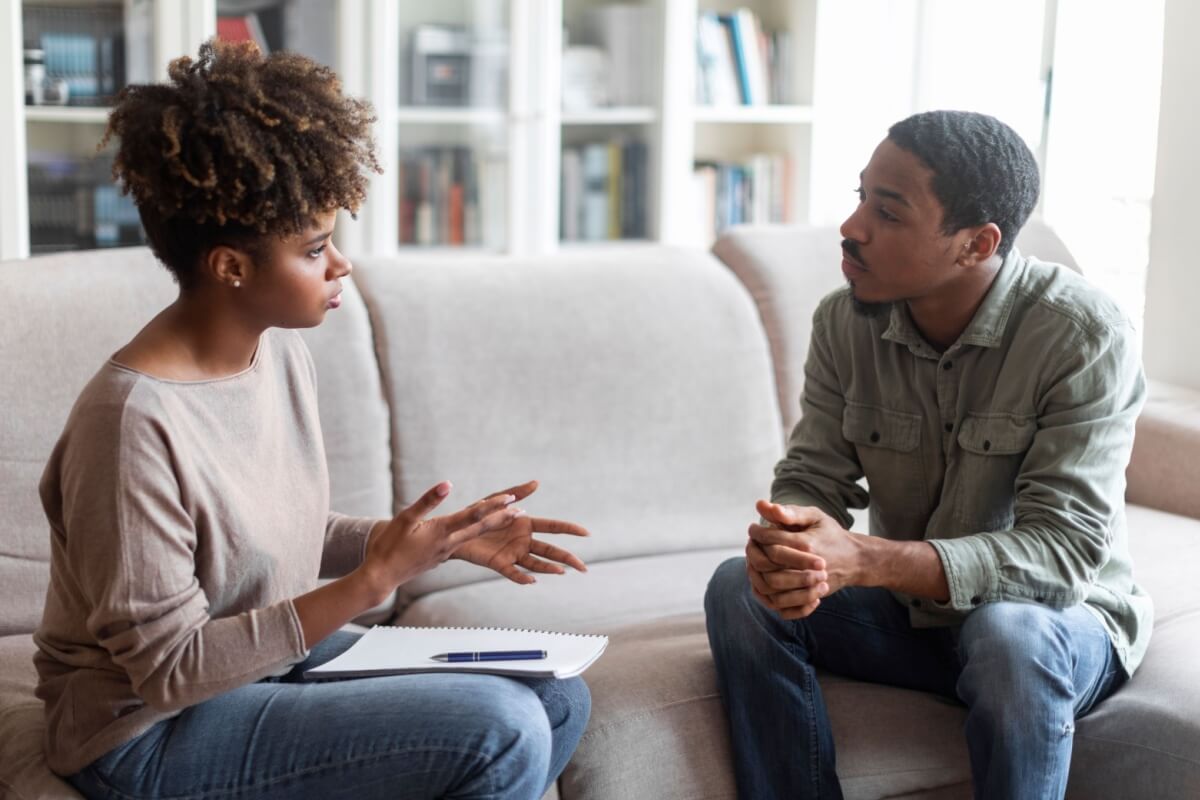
pixel 1164 470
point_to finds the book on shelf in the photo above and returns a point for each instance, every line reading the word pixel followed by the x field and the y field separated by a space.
pixel 603 191
pixel 439 196
pixel 739 62
pixel 757 190
pixel 242 28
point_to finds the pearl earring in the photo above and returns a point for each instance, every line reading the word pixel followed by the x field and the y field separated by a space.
pixel 236 284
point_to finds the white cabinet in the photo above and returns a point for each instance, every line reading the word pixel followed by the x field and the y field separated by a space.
pixel 503 125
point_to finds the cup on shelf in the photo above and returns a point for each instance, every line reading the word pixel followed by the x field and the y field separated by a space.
pixel 35 76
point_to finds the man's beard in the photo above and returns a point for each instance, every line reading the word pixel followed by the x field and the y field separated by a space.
pixel 869 310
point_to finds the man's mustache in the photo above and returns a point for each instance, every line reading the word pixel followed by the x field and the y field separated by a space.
pixel 850 248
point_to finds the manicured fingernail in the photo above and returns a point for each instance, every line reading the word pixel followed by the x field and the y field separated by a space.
pixel 509 499
pixel 443 489
pixel 519 512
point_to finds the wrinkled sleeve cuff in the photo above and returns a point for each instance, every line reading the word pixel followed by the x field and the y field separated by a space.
pixel 971 571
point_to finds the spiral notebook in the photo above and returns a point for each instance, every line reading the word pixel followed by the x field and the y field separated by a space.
pixel 387 650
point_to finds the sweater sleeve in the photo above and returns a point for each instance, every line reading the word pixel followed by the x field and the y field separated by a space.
pixel 345 544
pixel 132 547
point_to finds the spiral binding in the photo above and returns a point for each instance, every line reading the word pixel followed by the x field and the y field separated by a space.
pixel 477 628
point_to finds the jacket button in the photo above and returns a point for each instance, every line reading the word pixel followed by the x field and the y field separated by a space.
pixel 874 436
pixel 947 365
pixel 916 603
pixel 976 600
pixel 987 445
pixel 949 427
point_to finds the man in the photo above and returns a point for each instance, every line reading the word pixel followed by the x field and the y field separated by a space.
pixel 989 399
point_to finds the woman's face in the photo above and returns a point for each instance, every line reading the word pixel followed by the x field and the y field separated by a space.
pixel 301 279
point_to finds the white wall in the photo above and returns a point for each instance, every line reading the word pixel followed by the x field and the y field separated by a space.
pixel 1173 288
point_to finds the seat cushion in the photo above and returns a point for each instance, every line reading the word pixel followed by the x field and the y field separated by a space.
pixel 610 596
pixel 23 771
pixel 658 728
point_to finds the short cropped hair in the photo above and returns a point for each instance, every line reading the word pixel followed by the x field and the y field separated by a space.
pixel 236 147
pixel 982 170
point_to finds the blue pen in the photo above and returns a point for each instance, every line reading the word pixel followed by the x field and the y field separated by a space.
pixel 491 655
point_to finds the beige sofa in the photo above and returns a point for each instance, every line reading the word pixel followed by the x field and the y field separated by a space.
pixel 647 388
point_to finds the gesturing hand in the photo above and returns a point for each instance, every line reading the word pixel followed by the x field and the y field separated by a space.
pixel 507 548
pixel 409 544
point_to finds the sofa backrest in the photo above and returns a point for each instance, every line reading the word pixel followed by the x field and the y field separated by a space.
pixel 634 383
pixel 67 313
pixel 788 269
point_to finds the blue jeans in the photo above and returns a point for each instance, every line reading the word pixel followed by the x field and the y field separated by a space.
pixel 1024 671
pixel 404 736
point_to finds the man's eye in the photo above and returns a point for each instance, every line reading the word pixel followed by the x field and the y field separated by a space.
pixel 317 253
pixel 862 196
pixel 889 216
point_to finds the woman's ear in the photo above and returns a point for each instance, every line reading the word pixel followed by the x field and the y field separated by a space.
pixel 227 266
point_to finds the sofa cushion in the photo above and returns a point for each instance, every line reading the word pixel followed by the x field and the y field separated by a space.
pixel 62 326
pixel 1162 469
pixel 611 595
pixel 658 728
pixel 23 771
pixel 634 383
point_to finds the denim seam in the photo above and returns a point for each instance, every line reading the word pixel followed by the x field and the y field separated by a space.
pixel 914 634
pixel 251 788
pixel 1176 756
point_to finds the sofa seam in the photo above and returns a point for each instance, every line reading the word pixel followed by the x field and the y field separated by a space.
pixel 1105 740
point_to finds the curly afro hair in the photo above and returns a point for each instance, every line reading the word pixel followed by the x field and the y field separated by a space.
pixel 982 170
pixel 237 147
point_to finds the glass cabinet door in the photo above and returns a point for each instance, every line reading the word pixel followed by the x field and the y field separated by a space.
pixel 452 118
pixel 302 26
pixel 77 56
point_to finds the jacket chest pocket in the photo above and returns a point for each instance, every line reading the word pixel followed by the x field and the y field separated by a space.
pixel 888 444
pixel 993 449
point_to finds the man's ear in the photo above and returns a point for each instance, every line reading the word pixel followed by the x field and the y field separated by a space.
pixel 227 266
pixel 982 242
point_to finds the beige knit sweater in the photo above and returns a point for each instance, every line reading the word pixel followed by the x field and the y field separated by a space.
pixel 184 517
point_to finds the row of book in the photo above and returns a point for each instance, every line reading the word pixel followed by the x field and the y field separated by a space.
pixel 82 46
pixel 451 195
pixel 731 193
pixel 603 191
pixel 738 62
pixel 74 205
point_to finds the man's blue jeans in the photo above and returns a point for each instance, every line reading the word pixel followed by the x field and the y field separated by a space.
pixel 1024 671
pixel 403 736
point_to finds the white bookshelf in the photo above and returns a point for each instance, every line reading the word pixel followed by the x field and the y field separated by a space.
pixel 521 137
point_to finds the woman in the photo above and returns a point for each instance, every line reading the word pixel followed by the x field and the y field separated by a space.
pixel 189 501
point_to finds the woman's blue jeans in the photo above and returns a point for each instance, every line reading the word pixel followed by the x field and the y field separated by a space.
pixel 404 736
pixel 1024 671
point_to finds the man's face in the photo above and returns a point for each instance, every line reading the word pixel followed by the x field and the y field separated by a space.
pixel 893 247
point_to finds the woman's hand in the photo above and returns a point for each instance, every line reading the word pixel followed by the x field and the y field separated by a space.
pixel 409 544
pixel 508 548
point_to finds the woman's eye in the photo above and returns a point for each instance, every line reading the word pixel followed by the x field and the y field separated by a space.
pixel 317 253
